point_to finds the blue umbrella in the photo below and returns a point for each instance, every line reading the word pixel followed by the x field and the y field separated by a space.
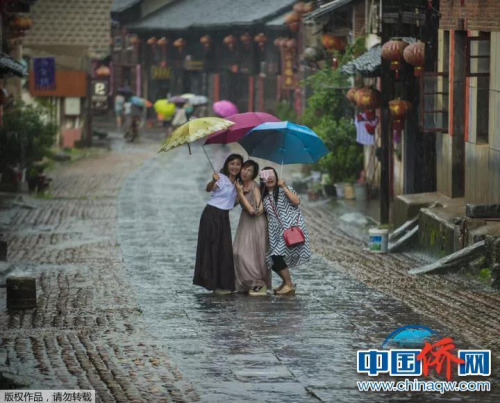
pixel 284 143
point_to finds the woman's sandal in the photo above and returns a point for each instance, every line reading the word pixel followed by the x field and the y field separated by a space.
pixel 286 290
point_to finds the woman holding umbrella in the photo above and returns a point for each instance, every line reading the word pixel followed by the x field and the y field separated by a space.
pixel 281 204
pixel 214 267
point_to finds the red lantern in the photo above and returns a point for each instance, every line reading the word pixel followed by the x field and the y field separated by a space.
pixel 398 109
pixel 152 41
pixel 279 42
pixel 308 7
pixel 414 54
pixel 103 71
pixel 206 41
pixel 351 94
pixel 332 42
pixel 246 39
pixel 292 17
pixel 163 42
pixel 299 7
pixel 393 52
pixel 261 39
pixel 134 40
pixel 290 44
pixel 367 98
pixel 180 44
pixel 230 41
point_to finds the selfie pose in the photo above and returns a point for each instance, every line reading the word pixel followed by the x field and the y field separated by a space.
pixel 288 237
pixel 214 267
pixel 250 243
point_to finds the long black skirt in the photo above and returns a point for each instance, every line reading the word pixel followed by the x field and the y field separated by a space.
pixel 214 255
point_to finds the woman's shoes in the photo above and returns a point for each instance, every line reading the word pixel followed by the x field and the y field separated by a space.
pixel 278 288
pixel 258 290
pixel 286 290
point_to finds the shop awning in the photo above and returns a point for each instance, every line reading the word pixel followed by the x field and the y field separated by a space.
pixel 8 65
pixel 367 65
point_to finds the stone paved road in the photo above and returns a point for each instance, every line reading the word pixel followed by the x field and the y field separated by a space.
pixel 239 348
pixel 87 331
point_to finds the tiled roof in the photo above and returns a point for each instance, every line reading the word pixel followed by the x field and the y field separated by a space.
pixel 327 8
pixel 9 65
pixel 368 64
pixel 121 5
pixel 213 14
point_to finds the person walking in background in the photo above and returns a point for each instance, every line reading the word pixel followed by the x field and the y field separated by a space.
pixel 119 105
pixel 281 204
pixel 180 116
pixel 250 243
pixel 214 268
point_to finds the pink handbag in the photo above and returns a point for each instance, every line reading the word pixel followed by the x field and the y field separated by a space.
pixel 293 236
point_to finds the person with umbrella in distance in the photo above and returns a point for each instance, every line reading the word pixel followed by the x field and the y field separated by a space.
pixel 250 242
pixel 281 204
pixel 214 268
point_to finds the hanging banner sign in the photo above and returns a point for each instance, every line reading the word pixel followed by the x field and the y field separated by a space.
pixel 44 73
pixel 288 76
pixel 99 94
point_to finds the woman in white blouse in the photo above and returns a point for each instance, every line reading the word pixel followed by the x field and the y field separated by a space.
pixel 214 267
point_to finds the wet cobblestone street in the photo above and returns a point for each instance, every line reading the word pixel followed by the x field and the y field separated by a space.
pixel 113 252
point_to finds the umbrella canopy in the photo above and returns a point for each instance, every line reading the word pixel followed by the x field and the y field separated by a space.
pixel 165 108
pixel 137 101
pixel 198 100
pixel 178 100
pixel 193 130
pixel 284 143
pixel 126 90
pixel 225 108
pixel 187 95
pixel 243 122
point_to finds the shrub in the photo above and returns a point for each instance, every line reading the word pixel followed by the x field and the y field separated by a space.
pixel 25 136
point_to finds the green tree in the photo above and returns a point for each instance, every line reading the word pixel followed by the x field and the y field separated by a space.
pixel 329 114
pixel 25 136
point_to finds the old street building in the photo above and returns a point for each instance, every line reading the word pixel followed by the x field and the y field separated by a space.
pixel 72 36
pixel 223 49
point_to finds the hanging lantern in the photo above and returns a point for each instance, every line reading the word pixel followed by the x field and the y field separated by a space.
pixel 152 41
pixel 299 7
pixel 351 94
pixel 280 41
pixel 333 42
pixel 206 41
pixel 290 44
pixel 180 44
pixel 308 7
pixel 230 41
pixel 162 42
pixel 393 52
pixel 292 20
pixel 398 109
pixel 21 23
pixel 103 71
pixel 261 39
pixel 414 54
pixel 367 98
pixel 134 40
pixel 246 39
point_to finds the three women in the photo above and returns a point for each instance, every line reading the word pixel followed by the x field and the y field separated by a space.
pixel 216 269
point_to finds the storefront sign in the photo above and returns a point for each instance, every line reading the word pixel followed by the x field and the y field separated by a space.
pixel 45 73
pixel 287 59
pixel 160 73
pixel 99 94
pixel 194 65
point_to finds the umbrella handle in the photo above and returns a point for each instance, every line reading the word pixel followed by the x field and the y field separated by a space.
pixel 210 162
pixel 189 148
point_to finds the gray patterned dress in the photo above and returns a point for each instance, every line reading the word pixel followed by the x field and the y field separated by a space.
pixel 288 213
